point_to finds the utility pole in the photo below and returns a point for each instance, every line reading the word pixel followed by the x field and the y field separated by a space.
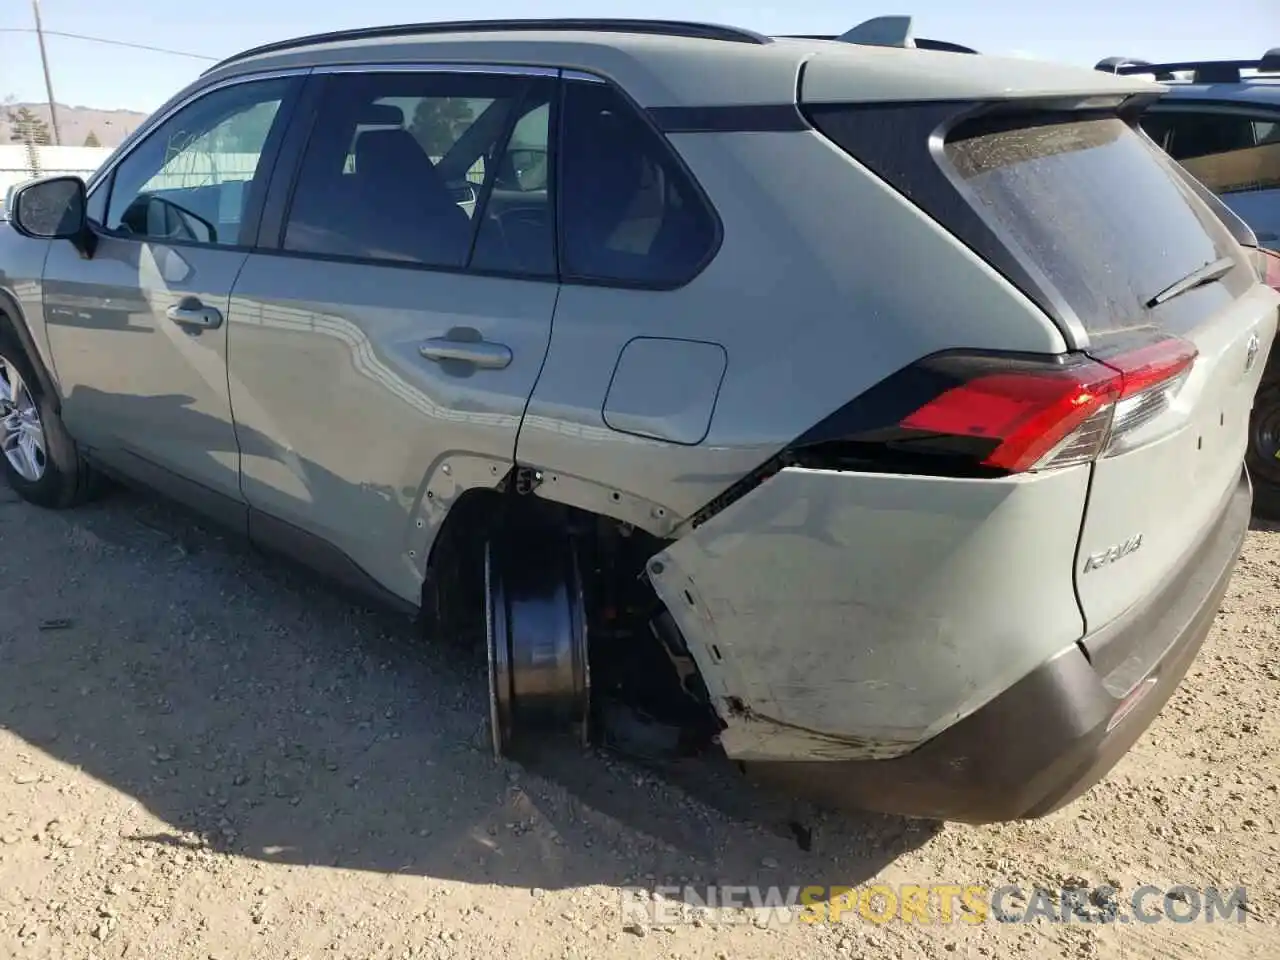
pixel 48 84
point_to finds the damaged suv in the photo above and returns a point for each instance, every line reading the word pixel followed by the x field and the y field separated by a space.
pixel 876 415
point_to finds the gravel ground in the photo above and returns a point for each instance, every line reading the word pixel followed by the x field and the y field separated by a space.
pixel 204 755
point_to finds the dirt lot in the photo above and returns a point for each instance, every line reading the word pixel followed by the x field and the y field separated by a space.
pixel 205 756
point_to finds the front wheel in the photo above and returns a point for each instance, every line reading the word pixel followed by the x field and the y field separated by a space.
pixel 37 455
pixel 1263 456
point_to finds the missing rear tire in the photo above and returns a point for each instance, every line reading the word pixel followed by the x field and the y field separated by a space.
pixel 536 632
pixel 1263 456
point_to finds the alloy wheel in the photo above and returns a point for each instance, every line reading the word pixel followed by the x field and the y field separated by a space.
pixel 21 431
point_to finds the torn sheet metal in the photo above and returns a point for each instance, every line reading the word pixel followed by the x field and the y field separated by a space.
pixel 849 616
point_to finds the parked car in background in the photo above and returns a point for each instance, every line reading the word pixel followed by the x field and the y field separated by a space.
pixel 875 414
pixel 1221 120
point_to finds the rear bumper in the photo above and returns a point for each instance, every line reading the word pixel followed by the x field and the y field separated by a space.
pixel 1050 737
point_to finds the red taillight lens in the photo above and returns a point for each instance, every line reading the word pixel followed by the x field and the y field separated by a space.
pixel 1152 365
pixel 1055 416
pixel 1150 376
pixel 1271 268
pixel 976 413
pixel 1028 415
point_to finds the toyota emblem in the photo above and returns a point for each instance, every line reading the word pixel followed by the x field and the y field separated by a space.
pixel 1251 354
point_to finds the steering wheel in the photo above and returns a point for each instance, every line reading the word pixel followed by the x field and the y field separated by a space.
pixel 516 221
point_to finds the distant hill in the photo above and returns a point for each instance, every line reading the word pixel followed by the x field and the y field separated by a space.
pixel 75 123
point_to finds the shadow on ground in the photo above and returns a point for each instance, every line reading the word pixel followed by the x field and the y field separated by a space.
pixel 256 712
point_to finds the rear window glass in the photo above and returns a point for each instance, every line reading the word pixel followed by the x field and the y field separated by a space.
pixel 1094 207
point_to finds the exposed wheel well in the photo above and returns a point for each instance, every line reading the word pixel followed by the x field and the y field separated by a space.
pixel 12 323
pixel 645 690
pixel 1271 372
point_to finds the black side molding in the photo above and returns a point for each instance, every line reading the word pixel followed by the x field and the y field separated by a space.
pixel 266 533
pixel 270 534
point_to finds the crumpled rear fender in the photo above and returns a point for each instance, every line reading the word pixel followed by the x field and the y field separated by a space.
pixel 853 616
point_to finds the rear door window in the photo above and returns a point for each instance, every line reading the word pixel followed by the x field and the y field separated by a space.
pixel 399 167
pixel 1093 206
pixel 631 214
pixel 518 232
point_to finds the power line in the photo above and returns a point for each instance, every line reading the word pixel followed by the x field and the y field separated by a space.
pixel 109 42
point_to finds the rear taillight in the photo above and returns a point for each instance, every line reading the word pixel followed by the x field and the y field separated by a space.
pixel 967 413
pixel 1269 268
pixel 1026 415
pixel 1150 379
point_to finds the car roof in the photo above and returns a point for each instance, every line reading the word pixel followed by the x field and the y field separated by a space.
pixel 660 63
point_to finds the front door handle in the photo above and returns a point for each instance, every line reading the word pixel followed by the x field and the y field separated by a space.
pixel 480 353
pixel 190 312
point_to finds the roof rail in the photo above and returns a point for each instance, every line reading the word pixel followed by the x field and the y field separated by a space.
pixel 665 28
pixel 944 45
pixel 1203 71
pixel 892 31
pixel 921 43
pixel 1119 65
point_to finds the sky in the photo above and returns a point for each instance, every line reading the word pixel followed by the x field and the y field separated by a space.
pixel 106 77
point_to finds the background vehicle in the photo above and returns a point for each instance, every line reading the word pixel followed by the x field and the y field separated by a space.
pixel 925 507
pixel 1221 120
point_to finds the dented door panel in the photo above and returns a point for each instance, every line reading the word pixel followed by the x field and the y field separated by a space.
pixel 346 430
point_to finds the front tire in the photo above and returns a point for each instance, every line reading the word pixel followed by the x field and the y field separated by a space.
pixel 37 455
pixel 1263 457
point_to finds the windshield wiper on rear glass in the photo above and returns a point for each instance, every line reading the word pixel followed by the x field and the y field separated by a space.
pixel 1210 272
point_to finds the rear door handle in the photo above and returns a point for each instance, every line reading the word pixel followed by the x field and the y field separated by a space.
pixel 190 312
pixel 481 353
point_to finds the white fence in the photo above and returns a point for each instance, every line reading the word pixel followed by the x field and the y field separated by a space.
pixel 188 169
pixel 20 162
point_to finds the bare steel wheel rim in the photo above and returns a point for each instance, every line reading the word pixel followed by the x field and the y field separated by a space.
pixel 21 431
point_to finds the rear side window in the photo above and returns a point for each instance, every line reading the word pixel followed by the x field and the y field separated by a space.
pixel 1093 206
pixel 630 213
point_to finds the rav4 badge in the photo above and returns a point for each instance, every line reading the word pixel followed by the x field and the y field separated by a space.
pixel 1109 556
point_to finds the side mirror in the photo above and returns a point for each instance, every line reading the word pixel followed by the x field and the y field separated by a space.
pixel 160 218
pixel 52 208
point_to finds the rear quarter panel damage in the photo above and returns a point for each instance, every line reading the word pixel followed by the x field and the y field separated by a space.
pixel 827 281
pixel 853 616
